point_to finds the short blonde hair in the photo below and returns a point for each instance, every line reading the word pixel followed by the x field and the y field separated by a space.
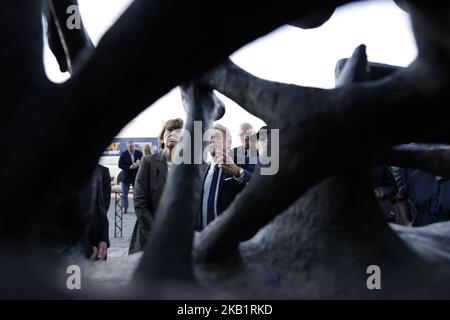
pixel 147 150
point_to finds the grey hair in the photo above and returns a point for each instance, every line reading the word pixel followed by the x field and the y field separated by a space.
pixel 130 142
pixel 224 130
pixel 246 125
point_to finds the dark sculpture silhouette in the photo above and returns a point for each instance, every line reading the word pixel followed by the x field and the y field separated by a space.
pixel 309 231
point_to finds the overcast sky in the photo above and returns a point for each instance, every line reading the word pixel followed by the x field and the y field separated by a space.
pixel 291 55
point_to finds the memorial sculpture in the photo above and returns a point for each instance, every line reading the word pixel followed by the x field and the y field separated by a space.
pixel 311 231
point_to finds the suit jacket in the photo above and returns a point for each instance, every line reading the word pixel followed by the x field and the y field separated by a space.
pixel 240 153
pixel 100 189
pixel 430 196
pixel 148 189
pixel 80 219
pixel 125 162
pixel 228 189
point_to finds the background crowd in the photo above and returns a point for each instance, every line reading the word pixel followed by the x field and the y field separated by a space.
pixel 406 196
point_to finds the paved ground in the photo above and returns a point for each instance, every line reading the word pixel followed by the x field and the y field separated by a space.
pixel 119 245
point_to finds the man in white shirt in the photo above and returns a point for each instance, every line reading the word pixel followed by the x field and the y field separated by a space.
pixel 129 163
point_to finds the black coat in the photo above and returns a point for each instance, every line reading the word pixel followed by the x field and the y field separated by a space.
pixel 100 189
pixel 79 220
pixel 148 189
pixel 100 205
pixel 240 153
pixel 430 196
pixel 129 175
pixel 228 189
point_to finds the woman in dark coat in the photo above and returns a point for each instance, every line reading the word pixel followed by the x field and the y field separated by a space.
pixel 149 185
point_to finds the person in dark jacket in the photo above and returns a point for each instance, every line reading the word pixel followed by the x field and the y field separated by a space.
pixel 385 189
pixel 404 206
pixel 129 161
pixel 429 194
pixel 150 182
pixel 80 222
pixel 247 150
pixel 224 178
pixel 98 228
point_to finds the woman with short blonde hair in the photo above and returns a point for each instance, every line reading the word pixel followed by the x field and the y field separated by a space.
pixel 147 150
pixel 153 172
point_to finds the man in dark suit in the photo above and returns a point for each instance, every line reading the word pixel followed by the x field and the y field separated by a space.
pixel 224 178
pixel 150 181
pixel 129 162
pixel 247 150
pixel 98 228
pixel 80 221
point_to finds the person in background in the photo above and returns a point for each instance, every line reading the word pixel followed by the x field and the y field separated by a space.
pixel 224 178
pixel 247 149
pixel 129 163
pixel 262 139
pixel 429 194
pixel 147 150
pixel 98 228
pixel 404 206
pixel 80 221
pixel 150 182
pixel 385 189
